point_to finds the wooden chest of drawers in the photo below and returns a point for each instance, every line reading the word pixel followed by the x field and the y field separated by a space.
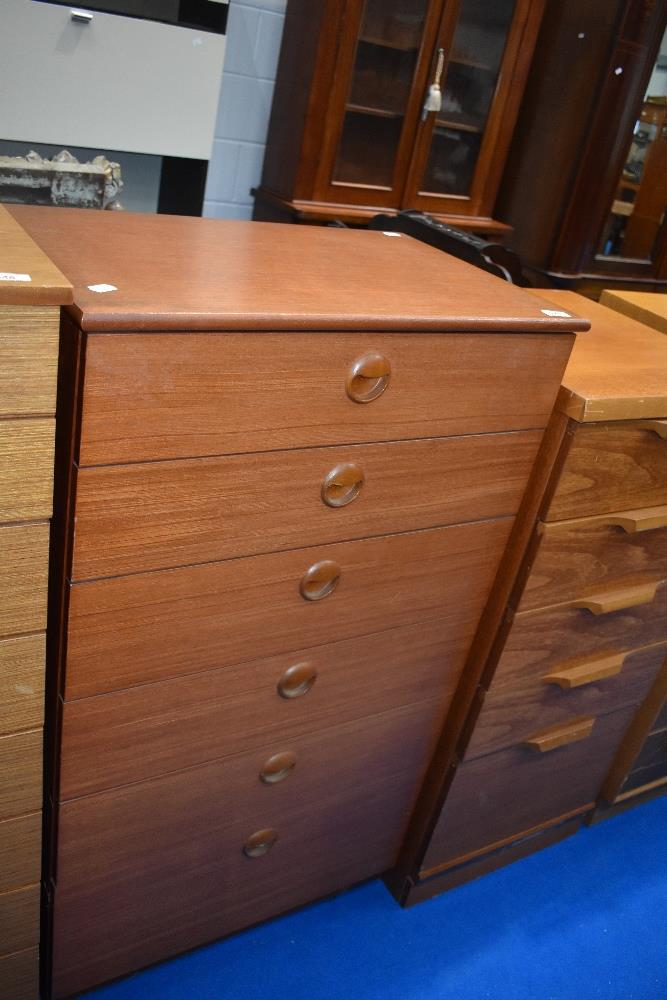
pixel 295 458
pixel 31 290
pixel 569 668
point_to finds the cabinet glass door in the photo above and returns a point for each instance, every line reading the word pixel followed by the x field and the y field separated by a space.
pixel 385 61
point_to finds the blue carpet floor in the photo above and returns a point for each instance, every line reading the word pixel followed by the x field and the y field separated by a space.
pixel 584 919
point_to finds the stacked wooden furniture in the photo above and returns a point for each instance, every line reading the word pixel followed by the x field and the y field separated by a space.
pixel 31 290
pixel 649 308
pixel 294 460
pixel 576 633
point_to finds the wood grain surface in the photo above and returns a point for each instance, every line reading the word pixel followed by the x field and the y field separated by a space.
pixel 152 516
pixel 649 308
pixel 575 560
pixel 611 467
pixel 618 370
pixel 131 630
pixel 518 703
pixel 151 729
pixel 19 919
pixel 20 851
pixel 21 769
pixel 22 683
pixel 157 867
pixel 23 577
pixel 182 273
pixel 157 396
pixel 26 469
pixel 19 255
pixel 505 794
pixel 28 360
pixel 19 975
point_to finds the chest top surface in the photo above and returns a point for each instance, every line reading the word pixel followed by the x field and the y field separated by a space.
pixel 617 371
pixel 27 276
pixel 180 273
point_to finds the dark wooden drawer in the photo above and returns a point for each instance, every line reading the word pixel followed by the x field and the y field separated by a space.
pixel 495 799
pixel 158 866
pixel 150 396
pixel 135 629
pixel 600 565
pixel 650 764
pixel 612 467
pixel 161 514
pixel 521 701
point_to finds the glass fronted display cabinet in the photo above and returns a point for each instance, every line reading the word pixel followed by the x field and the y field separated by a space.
pixel 395 104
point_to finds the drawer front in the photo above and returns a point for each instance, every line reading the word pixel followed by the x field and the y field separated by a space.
pixel 156 625
pixel 497 798
pixel 28 360
pixel 20 851
pixel 522 701
pixel 19 975
pixel 21 770
pixel 26 469
pixel 152 729
pixel 151 396
pixel 23 577
pixel 578 560
pixel 22 683
pixel 653 753
pixel 612 467
pixel 19 919
pixel 128 893
pixel 150 516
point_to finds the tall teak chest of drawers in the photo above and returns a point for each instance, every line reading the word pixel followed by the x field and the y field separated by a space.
pixel 294 461
pixel 31 291
pixel 571 658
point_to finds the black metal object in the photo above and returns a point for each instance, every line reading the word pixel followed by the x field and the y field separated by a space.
pixel 182 184
pixel 489 256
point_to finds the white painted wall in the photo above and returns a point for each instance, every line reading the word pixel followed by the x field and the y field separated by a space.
pixel 254 33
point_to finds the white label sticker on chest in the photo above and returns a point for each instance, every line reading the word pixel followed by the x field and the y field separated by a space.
pixel 102 288
pixel 556 312
pixel 10 276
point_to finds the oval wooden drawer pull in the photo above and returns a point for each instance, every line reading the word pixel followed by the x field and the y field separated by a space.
pixel 320 580
pixel 342 485
pixel 638 520
pixel 595 668
pixel 368 378
pixel 260 843
pixel 561 735
pixel 297 680
pixel 278 767
pixel 658 427
pixel 606 601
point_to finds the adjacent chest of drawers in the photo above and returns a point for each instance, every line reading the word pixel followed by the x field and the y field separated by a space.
pixel 571 658
pixel 31 290
pixel 290 474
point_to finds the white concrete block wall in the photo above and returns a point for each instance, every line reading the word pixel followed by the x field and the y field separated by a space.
pixel 254 33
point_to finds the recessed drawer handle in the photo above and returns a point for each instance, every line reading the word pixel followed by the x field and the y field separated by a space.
pixel 658 427
pixel 342 485
pixel 638 520
pixel 368 378
pixel 297 680
pixel 260 843
pixel 560 736
pixel 320 580
pixel 278 767
pixel 606 601
pixel 586 671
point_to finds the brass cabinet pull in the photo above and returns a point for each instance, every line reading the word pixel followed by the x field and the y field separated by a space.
pixel 260 843
pixel 278 767
pixel 593 668
pixel 561 735
pixel 631 521
pixel 297 680
pixel 606 601
pixel 320 580
pixel 342 485
pixel 368 378
pixel 658 427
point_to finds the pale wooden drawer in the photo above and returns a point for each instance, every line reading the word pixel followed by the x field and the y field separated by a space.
pixel 161 514
pixel 26 469
pixel 151 626
pixel 28 360
pixel 19 975
pixel 612 467
pixel 22 683
pixel 21 770
pixel 23 577
pixel 20 851
pixel 151 396
pixel 19 919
